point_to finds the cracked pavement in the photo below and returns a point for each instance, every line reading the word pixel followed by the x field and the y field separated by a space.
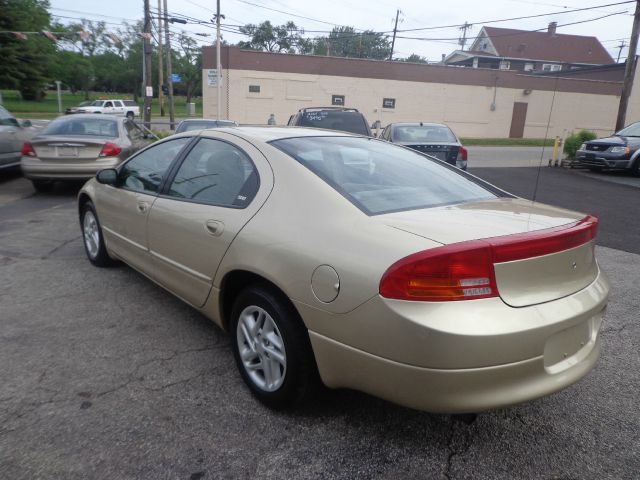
pixel 104 375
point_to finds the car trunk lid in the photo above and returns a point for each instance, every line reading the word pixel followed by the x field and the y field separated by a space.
pixel 536 275
pixel 445 152
pixel 58 149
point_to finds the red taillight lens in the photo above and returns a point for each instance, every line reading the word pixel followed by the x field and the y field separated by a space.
pixel 27 150
pixel 110 150
pixel 464 271
pixel 460 271
pixel 462 153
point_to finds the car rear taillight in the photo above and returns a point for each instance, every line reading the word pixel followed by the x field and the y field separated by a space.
pixel 110 150
pixel 464 270
pixel 462 153
pixel 27 150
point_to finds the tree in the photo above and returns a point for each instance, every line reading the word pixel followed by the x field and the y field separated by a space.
pixel 189 66
pixel 414 58
pixel 280 38
pixel 346 42
pixel 74 70
pixel 25 63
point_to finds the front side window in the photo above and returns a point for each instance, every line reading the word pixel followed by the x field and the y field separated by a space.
pixel 133 130
pixel 379 177
pixel 218 173
pixel 145 172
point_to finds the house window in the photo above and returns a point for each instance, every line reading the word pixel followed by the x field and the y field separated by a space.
pixel 528 67
pixel 254 88
pixel 505 65
pixel 551 67
pixel 388 103
pixel 337 100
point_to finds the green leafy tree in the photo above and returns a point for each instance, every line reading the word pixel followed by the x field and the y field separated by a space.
pixel 25 63
pixel 347 42
pixel 270 38
pixel 74 70
pixel 414 58
pixel 189 66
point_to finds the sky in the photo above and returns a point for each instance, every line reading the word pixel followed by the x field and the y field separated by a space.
pixel 439 19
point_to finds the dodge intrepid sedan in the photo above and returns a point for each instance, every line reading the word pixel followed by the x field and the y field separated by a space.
pixel 352 262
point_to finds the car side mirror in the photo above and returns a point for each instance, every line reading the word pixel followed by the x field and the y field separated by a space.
pixel 108 176
pixel 26 123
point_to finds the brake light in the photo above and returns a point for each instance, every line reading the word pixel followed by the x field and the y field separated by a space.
pixel 110 150
pixel 462 153
pixel 464 270
pixel 27 150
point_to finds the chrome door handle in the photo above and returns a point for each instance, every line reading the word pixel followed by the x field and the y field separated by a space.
pixel 143 207
pixel 214 227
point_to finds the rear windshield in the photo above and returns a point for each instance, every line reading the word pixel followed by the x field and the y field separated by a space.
pixel 97 127
pixel 423 134
pixel 352 122
pixel 379 177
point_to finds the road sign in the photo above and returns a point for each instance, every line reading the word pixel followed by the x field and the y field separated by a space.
pixel 212 77
pixel 176 78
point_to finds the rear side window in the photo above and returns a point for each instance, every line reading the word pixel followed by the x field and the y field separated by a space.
pixel 216 172
pixel 380 177
pixel 352 122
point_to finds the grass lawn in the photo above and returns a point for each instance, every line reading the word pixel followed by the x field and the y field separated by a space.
pixel 48 108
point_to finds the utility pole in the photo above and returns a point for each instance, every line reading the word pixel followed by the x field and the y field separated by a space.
pixel 146 43
pixel 172 116
pixel 620 47
pixel 463 40
pixel 629 71
pixel 218 62
pixel 160 61
pixel 395 30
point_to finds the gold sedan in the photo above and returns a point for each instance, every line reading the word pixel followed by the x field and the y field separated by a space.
pixel 348 261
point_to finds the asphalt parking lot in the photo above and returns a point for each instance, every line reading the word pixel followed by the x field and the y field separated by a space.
pixel 104 375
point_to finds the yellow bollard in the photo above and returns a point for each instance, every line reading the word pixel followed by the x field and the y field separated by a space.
pixel 556 147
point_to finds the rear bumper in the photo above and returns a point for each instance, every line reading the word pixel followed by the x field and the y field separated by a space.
pixel 463 356
pixel 35 169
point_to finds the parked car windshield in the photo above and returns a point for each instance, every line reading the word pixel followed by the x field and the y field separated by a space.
pixel 423 134
pixel 352 122
pixel 99 127
pixel 632 130
pixel 379 177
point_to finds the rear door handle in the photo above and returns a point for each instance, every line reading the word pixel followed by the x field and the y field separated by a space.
pixel 214 227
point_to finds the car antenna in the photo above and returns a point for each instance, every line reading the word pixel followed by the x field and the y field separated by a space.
pixel 546 136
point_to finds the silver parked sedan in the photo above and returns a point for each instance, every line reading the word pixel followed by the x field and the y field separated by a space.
pixel 76 147
pixel 359 263
pixel 13 134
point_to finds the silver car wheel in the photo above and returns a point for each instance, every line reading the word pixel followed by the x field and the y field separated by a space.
pixel 91 233
pixel 261 348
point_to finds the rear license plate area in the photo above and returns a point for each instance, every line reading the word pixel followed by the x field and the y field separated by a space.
pixel 67 152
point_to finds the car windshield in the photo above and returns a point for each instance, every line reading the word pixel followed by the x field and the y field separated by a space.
pixel 632 130
pixel 379 177
pixel 423 134
pixel 197 125
pixel 98 127
pixel 335 120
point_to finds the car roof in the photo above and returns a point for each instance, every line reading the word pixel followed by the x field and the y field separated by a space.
pixel 335 109
pixel 89 115
pixel 417 124
pixel 189 120
pixel 268 134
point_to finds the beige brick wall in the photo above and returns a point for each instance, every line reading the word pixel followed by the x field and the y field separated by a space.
pixel 465 108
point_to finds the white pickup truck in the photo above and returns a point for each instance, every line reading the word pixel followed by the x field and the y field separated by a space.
pixel 126 108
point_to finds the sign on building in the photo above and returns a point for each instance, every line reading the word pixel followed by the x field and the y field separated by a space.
pixel 212 77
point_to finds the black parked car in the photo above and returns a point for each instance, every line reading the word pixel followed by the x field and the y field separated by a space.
pixel 621 151
pixel 434 139
pixel 333 118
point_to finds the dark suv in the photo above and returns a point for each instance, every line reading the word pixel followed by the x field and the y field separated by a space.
pixel 332 118
pixel 619 151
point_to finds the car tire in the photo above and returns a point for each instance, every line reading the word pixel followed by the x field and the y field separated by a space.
pixel 635 168
pixel 130 115
pixel 92 237
pixel 42 186
pixel 272 349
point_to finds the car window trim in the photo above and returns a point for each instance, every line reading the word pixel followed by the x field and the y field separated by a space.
pixel 163 192
pixel 120 167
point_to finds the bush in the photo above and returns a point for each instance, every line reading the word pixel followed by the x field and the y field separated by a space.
pixel 573 142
